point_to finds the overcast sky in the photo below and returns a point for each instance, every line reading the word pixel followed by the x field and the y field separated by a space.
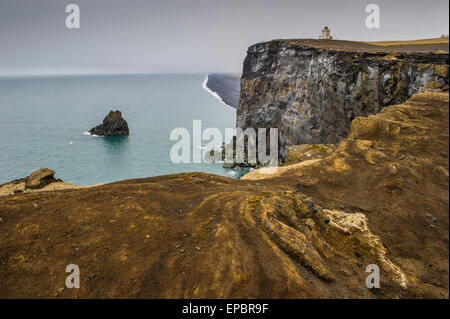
pixel 146 36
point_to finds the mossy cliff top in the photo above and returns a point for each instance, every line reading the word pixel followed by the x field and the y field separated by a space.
pixel 436 45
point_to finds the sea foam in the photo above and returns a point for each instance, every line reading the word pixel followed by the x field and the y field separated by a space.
pixel 87 133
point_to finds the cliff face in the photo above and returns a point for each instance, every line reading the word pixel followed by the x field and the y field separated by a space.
pixel 312 90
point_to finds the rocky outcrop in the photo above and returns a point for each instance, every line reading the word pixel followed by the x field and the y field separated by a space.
pixel 312 90
pixel 37 180
pixel 113 124
pixel 393 169
pixel 40 178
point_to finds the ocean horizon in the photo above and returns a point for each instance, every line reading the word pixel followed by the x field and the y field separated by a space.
pixel 45 120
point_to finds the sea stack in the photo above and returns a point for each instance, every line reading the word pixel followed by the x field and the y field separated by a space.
pixel 113 124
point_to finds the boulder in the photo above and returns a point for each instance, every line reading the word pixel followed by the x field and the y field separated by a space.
pixel 40 178
pixel 113 124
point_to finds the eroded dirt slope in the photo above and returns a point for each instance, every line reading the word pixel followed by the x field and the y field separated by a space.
pixel 307 231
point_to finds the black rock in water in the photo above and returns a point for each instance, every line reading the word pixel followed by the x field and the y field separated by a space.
pixel 113 124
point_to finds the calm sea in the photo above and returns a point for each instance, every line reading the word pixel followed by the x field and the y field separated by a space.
pixel 43 121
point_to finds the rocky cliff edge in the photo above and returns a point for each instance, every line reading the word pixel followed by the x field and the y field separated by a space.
pixel 311 90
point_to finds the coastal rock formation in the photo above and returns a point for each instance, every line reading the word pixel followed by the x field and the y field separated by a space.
pixel 307 231
pixel 311 90
pixel 41 180
pixel 113 124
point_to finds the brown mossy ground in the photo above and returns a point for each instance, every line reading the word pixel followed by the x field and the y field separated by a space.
pixel 304 152
pixel 394 169
pixel 307 231
pixel 437 45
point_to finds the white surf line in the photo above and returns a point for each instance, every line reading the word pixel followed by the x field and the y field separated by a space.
pixel 217 96
pixel 87 133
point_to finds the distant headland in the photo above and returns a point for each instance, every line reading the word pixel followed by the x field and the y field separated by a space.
pixel 224 87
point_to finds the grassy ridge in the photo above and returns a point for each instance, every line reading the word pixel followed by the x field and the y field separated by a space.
pixel 412 42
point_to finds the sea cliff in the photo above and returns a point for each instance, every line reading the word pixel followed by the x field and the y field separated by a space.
pixel 311 90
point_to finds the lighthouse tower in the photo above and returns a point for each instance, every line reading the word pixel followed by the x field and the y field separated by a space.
pixel 326 34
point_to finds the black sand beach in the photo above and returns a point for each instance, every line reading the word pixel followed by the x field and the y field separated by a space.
pixel 227 86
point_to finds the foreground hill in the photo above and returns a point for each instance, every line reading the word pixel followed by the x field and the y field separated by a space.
pixel 307 231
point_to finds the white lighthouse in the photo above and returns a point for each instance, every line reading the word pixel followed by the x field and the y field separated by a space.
pixel 326 34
